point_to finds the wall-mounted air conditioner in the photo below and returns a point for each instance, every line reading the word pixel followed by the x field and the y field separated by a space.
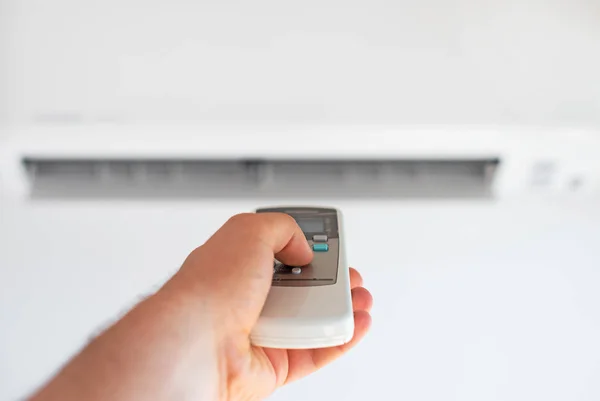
pixel 170 162
pixel 324 98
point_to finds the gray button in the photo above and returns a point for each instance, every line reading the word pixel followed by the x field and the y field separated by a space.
pixel 320 238
pixel 296 270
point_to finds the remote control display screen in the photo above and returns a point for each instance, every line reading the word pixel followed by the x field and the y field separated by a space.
pixel 311 225
pixel 311 220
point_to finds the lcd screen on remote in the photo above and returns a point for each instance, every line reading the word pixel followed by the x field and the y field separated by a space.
pixel 311 225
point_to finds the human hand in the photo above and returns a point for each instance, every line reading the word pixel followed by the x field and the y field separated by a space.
pixel 191 339
pixel 233 272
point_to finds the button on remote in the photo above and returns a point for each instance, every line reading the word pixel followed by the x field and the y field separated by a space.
pixel 320 247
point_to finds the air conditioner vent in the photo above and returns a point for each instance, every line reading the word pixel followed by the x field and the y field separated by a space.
pixel 85 178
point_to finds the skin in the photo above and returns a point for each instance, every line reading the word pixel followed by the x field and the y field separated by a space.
pixel 190 340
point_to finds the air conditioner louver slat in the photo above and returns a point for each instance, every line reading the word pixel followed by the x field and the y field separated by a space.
pixel 259 178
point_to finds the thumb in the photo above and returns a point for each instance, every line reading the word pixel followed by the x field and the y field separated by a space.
pixel 234 267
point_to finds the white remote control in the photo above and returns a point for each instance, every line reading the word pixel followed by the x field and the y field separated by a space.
pixel 309 306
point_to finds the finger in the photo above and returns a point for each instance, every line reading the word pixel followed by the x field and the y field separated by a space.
pixel 356 279
pixel 362 300
pixel 277 232
pixel 251 236
pixel 307 361
pixel 324 356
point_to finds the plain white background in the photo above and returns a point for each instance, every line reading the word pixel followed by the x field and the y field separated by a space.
pixel 486 300
pixel 472 300
pixel 314 62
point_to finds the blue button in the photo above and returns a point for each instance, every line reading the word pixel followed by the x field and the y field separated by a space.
pixel 320 247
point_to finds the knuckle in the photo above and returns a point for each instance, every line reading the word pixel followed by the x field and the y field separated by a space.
pixel 245 223
pixel 289 218
pixel 261 224
pixel 241 218
pixel 248 223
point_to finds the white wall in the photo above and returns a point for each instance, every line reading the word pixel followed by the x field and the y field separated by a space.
pixel 314 62
pixel 494 301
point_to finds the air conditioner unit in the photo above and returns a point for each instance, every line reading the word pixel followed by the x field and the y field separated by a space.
pixel 171 162
pixel 116 99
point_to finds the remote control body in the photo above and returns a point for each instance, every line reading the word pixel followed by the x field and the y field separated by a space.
pixel 309 306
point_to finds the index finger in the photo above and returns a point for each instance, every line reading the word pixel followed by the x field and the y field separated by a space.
pixel 275 233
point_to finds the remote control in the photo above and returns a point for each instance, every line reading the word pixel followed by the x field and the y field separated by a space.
pixel 309 306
